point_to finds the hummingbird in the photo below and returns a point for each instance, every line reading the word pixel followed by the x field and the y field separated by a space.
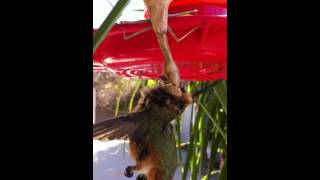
pixel 151 135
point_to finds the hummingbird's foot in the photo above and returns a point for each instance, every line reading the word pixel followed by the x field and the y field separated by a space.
pixel 141 177
pixel 128 172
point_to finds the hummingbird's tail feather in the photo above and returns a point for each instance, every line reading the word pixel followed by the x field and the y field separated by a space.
pixel 121 127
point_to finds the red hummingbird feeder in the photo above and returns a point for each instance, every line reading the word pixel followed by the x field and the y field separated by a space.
pixel 197 35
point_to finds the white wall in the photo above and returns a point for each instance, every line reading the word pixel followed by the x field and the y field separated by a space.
pixel 94 105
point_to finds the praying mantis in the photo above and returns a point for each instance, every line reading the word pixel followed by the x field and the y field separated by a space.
pixel 158 12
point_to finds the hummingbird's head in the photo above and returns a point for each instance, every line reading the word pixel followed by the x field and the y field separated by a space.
pixel 166 101
pixel 174 99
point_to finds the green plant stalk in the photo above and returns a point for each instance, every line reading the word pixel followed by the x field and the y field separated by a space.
pixel 201 142
pixel 206 135
pixel 194 165
pixel 179 144
pixel 145 82
pixel 107 24
pixel 214 149
pixel 126 107
pixel 221 92
pixel 223 123
pixel 138 83
pixel 223 173
pixel 189 88
pixel 197 153
pixel 211 173
pixel 118 101
pixel 204 177
pixel 151 83
pixel 195 149
pixel 117 105
pixel 190 148
pixel 214 122
pixel 216 116
pixel 206 129
pixel 189 155
pixel 206 126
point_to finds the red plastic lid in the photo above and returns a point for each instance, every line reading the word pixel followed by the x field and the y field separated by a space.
pixel 199 56
pixel 222 3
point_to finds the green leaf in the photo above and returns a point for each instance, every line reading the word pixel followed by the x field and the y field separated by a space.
pixel 223 134
pixel 178 140
pixel 117 105
pixel 214 149
pixel 195 152
pixel 133 95
pixel 221 91
pixel 107 24
pixel 151 83
pixel 190 148
pixel 204 177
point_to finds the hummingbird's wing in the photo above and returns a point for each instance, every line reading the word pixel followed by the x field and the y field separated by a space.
pixel 121 127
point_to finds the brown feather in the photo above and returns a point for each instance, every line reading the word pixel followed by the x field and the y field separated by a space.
pixel 121 127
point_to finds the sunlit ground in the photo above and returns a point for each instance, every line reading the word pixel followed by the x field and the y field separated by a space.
pixel 110 160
